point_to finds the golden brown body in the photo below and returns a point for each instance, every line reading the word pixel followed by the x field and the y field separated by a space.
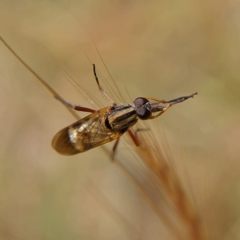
pixel 100 127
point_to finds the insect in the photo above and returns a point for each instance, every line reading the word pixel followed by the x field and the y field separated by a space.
pixel 109 123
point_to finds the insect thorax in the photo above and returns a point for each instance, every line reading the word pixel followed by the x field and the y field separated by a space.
pixel 121 118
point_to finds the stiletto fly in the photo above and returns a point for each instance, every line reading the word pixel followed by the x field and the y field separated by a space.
pixel 109 123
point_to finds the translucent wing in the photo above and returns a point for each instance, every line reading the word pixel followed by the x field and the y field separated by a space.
pixel 85 134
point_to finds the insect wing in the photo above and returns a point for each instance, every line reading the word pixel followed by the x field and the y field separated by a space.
pixel 85 134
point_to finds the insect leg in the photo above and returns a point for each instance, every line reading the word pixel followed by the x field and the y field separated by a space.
pixel 115 147
pixel 133 137
pixel 163 111
pixel 76 107
pixel 100 88
pixel 116 144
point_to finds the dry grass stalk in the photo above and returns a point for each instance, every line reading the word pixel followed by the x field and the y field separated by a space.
pixel 150 153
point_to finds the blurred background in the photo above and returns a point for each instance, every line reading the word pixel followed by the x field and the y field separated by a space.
pixel 163 49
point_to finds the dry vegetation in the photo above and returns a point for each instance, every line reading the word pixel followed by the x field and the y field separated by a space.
pixel 182 182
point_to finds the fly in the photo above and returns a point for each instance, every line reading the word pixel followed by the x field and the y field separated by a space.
pixel 109 123
pixel 104 125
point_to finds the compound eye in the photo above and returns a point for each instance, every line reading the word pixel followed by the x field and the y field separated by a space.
pixel 143 108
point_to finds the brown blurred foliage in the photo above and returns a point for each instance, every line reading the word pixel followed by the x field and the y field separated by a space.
pixel 163 49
